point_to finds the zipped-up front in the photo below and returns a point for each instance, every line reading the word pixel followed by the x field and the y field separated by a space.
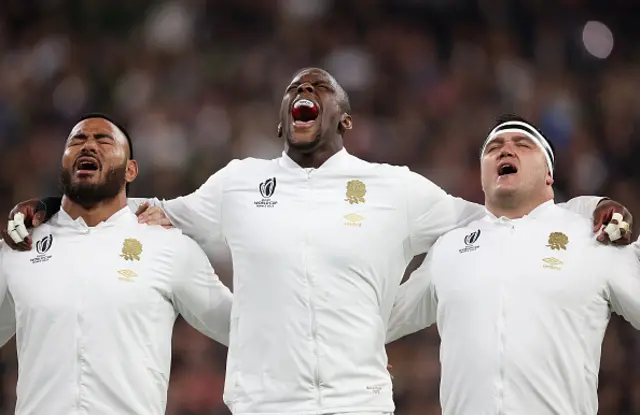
pixel 310 207
pixel 501 339
pixel 82 362
pixel 507 227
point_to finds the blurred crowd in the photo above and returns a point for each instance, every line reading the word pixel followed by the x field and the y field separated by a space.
pixel 199 83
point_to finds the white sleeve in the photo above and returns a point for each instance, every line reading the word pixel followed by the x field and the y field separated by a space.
pixel 582 205
pixel 624 283
pixel 415 305
pixel 198 294
pixel 7 319
pixel 198 215
pixel 7 313
pixel 432 212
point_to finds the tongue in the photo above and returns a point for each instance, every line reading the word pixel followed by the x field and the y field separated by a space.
pixel 304 113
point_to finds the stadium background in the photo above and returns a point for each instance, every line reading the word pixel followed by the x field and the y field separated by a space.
pixel 199 83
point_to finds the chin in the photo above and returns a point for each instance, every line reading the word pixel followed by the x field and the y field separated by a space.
pixel 304 146
pixel 506 191
pixel 85 181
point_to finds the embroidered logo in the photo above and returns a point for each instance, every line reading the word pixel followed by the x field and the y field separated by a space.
pixel 356 190
pixel 558 241
pixel 131 249
pixel 469 241
pixel 267 189
pixel 42 247
pixel 552 263
pixel 353 219
pixel 126 275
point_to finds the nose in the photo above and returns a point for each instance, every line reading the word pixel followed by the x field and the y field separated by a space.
pixel 506 152
pixel 306 87
pixel 89 146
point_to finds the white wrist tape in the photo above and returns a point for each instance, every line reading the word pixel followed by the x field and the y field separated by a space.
pixel 16 229
pixel 613 231
pixel 18 220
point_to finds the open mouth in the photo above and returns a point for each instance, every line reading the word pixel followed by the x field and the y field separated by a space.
pixel 505 169
pixel 86 165
pixel 304 113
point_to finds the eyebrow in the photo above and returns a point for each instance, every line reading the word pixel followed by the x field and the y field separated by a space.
pixel 517 139
pixel 314 83
pixel 522 138
pixel 97 136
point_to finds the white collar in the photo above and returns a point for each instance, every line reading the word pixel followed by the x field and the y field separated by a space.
pixel 538 211
pixel 339 159
pixel 124 215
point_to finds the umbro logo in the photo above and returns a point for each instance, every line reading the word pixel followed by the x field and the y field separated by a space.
pixel 469 241
pixel 552 263
pixel 353 219
pixel 42 247
pixel 126 275
pixel 267 190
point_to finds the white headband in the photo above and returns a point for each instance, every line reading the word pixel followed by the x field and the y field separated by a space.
pixel 526 130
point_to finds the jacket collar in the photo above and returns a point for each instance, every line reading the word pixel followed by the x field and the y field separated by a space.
pixel 341 158
pixel 123 216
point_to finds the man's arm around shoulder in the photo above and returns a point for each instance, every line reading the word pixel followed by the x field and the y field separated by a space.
pixel 431 212
pixel 198 214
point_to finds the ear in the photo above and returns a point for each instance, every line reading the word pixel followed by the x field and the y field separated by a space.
pixel 131 171
pixel 549 179
pixel 346 122
pixel 279 130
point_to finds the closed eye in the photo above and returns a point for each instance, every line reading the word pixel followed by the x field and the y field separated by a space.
pixel 105 140
pixel 76 141
pixel 324 87
pixel 103 137
pixel 82 138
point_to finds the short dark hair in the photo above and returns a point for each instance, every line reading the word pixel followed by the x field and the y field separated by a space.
pixel 343 103
pixel 118 126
